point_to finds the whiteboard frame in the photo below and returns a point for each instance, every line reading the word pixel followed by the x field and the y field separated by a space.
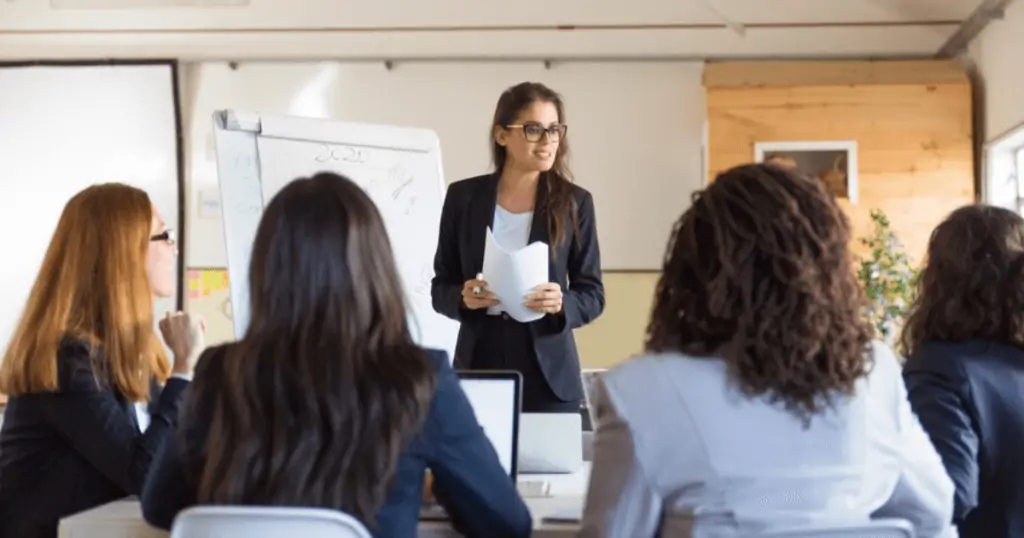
pixel 180 222
pixel 179 150
pixel 242 130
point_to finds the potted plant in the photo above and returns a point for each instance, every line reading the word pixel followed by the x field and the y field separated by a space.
pixel 887 276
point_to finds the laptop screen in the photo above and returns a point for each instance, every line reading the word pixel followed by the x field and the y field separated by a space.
pixel 495 402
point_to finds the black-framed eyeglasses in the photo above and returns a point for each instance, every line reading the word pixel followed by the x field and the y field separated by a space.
pixel 534 132
pixel 166 236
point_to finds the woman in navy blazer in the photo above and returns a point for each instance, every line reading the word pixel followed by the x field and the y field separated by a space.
pixel 529 198
pixel 326 401
pixel 965 367
pixel 83 353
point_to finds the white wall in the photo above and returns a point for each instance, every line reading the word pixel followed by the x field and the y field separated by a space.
pixel 998 54
pixel 635 131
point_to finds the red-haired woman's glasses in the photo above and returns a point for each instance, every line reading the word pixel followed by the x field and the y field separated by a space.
pixel 535 131
pixel 166 236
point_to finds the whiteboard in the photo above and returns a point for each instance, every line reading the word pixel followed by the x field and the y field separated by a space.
pixel 399 167
pixel 635 130
pixel 65 127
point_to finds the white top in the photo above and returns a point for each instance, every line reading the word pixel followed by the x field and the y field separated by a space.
pixel 512 232
pixel 679 449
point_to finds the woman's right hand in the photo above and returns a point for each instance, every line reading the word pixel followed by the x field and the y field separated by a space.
pixel 474 300
pixel 186 336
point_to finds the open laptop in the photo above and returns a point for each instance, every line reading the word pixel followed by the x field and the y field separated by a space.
pixel 496 398
pixel 550 443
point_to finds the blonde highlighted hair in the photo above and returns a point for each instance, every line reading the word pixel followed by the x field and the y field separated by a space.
pixel 92 286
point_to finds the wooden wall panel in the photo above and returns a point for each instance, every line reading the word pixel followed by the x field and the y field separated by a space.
pixel 915 146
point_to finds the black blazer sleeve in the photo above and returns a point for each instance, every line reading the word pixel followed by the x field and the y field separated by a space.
pixel 583 301
pixel 99 426
pixel 469 481
pixel 168 490
pixel 939 394
pixel 446 287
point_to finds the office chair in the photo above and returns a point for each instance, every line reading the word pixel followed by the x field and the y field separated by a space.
pixel 265 522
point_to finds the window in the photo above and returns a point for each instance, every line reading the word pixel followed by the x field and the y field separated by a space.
pixel 1004 171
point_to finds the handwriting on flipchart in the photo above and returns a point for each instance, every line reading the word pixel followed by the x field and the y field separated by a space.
pixel 248 174
pixel 355 155
pixel 404 203
pixel 346 154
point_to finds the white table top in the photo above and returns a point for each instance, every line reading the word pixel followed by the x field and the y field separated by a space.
pixel 123 518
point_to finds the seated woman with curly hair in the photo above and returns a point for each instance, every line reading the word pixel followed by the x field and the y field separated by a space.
pixel 965 368
pixel 762 403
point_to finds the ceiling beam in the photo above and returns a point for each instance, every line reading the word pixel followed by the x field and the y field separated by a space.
pixel 986 12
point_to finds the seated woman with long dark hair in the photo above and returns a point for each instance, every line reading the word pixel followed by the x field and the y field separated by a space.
pixel 326 401
pixel 965 366
pixel 762 403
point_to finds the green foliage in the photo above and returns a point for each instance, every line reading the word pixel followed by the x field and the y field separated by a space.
pixel 887 277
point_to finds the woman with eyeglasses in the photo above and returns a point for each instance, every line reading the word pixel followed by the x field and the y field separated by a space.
pixel 82 354
pixel 529 197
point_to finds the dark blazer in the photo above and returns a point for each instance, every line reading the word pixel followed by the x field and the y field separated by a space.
pixel 469 480
pixel 969 397
pixel 468 212
pixel 75 449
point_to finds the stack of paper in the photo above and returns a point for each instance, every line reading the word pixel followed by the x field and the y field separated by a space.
pixel 512 275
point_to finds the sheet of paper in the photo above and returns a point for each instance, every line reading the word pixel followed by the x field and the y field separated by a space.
pixel 511 275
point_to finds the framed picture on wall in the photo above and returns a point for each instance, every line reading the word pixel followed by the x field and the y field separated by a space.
pixel 833 162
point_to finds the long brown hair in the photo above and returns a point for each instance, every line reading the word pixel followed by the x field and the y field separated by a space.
pixel 972 283
pixel 758 273
pixel 327 385
pixel 92 286
pixel 560 203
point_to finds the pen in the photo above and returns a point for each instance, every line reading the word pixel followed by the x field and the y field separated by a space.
pixel 476 289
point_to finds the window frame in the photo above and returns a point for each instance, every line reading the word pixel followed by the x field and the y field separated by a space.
pixel 1003 171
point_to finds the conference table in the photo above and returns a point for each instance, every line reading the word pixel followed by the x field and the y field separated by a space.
pixel 123 518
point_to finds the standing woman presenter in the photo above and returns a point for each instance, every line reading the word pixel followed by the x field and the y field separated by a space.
pixel 530 197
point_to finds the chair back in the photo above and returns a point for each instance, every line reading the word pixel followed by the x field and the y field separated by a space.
pixel 878 528
pixel 265 522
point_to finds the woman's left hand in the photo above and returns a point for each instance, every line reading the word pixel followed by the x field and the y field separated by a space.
pixel 545 298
